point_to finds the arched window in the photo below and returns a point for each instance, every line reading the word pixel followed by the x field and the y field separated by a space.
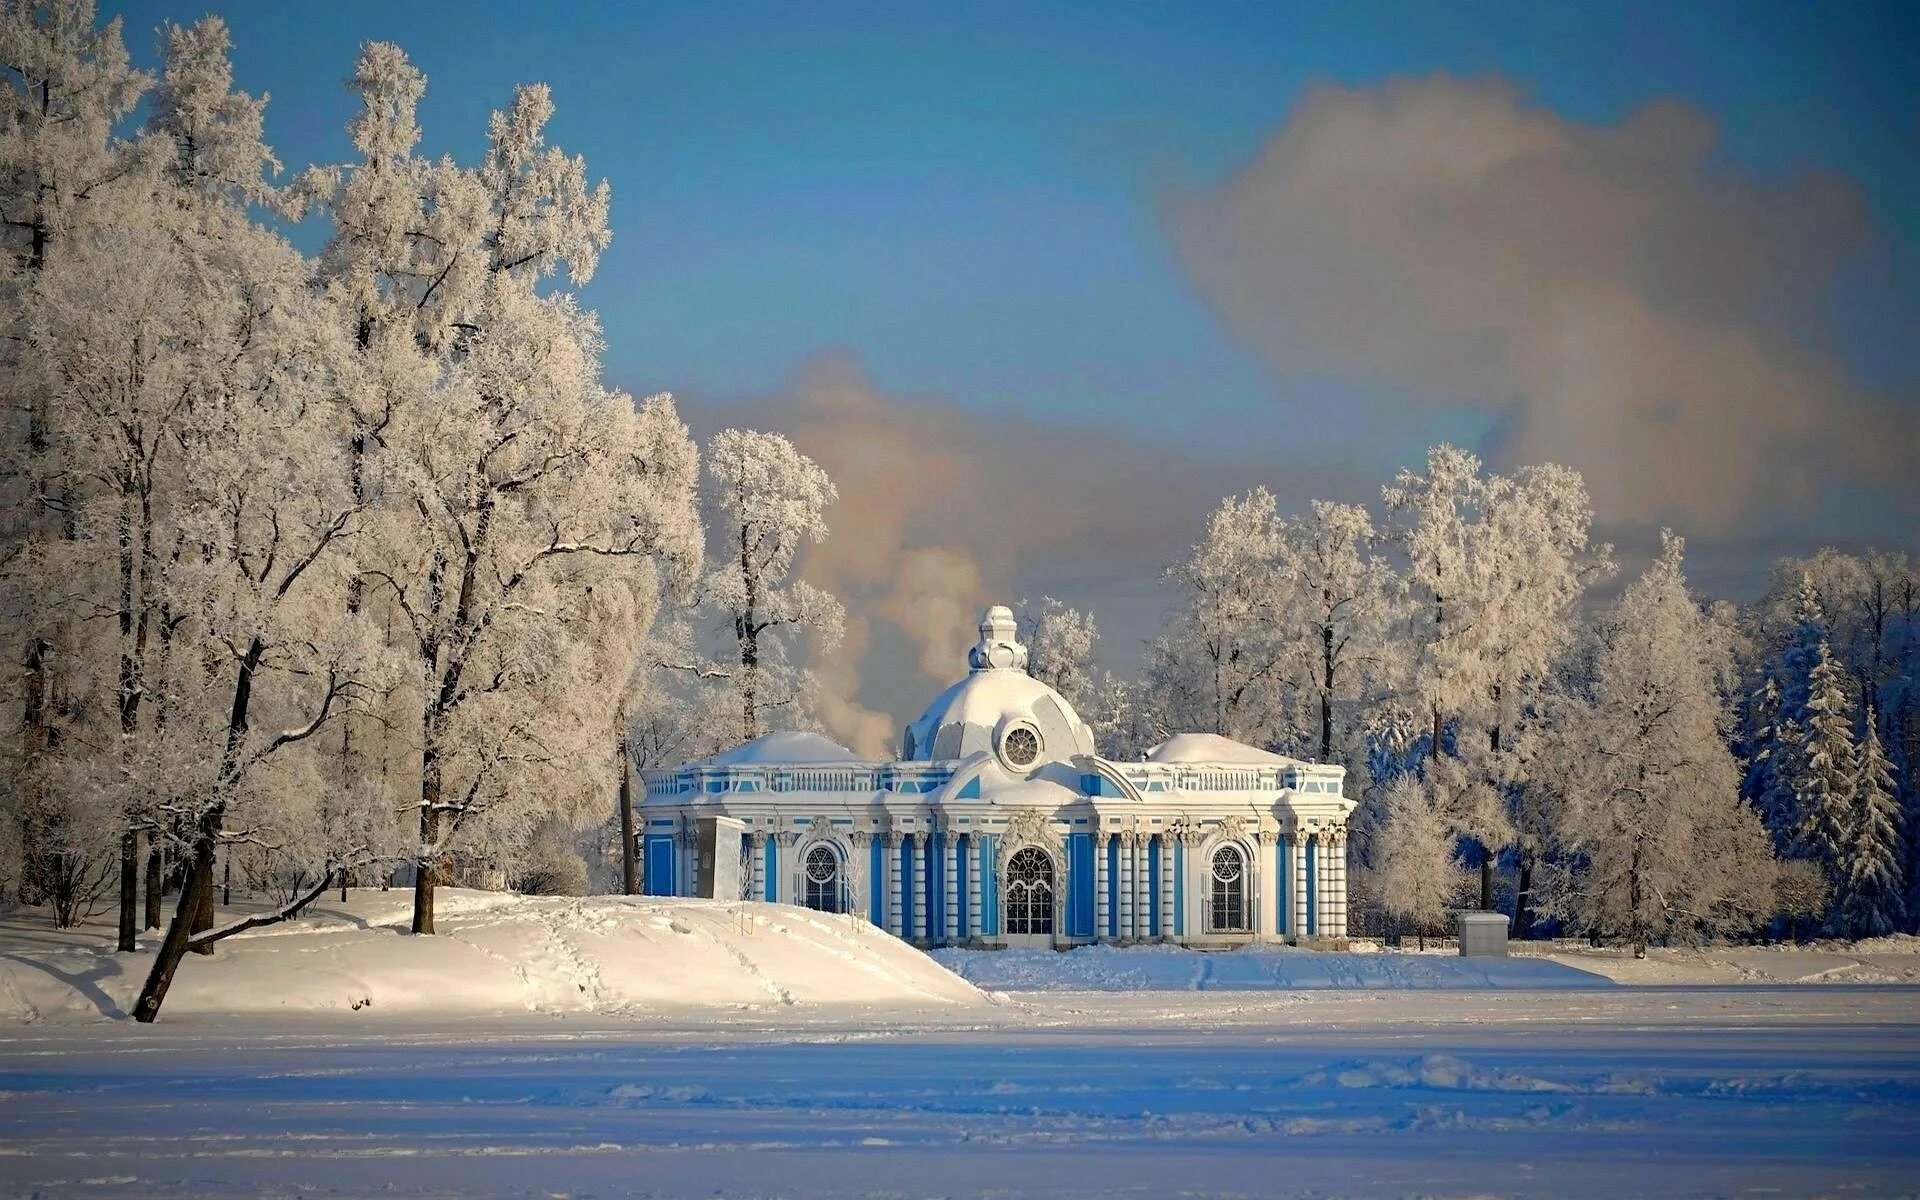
pixel 1030 893
pixel 1227 907
pixel 823 890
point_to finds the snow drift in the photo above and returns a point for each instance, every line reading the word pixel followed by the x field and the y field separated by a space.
pixel 497 954
pixel 1250 969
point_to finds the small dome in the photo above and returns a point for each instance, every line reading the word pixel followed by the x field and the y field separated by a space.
pixel 998 708
pixel 1212 748
pixel 785 747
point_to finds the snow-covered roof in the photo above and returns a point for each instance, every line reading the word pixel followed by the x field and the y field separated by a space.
pixel 969 716
pixel 1212 748
pixel 787 746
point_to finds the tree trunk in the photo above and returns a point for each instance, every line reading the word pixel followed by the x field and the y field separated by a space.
pixel 424 865
pixel 156 876
pixel 1326 693
pixel 173 948
pixel 1486 879
pixel 203 910
pixel 129 889
pixel 1523 899
pixel 629 870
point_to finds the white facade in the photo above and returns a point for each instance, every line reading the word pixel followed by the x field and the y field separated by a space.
pixel 999 825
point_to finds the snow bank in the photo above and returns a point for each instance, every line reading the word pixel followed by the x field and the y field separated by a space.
pixel 1263 968
pixel 786 747
pixel 496 954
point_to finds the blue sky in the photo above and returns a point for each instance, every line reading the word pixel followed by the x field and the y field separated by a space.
pixel 975 206
pixel 969 197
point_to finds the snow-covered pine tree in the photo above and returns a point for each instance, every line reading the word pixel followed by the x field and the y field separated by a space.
pixel 1870 892
pixel 1825 770
pixel 1653 839
pixel 768 500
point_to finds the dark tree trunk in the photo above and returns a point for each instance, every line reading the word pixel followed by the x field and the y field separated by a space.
pixel 129 890
pixel 196 895
pixel 424 866
pixel 173 947
pixel 1326 692
pixel 1486 879
pixel 1523 900
pixel 156 876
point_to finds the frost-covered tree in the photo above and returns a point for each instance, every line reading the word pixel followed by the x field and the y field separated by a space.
pixel 1060 643
pixel 1870 900
pixel 1224 664
pixel 767 501
pixel 1496 565
pixel 1825 770
pixel 1342 602
pixel 1653 839
pixel 1414 872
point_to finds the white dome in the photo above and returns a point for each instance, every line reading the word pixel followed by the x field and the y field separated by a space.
pixel 786 746
pixel 998 697
pixel 1212 748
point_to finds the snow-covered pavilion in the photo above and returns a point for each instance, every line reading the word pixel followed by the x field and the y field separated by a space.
pixel 1000 826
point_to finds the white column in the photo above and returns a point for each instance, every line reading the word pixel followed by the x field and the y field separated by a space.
pixel 1194 902
pixel 1100 886
pixel 1297 846
pixel 953 886
pixel 890 861
pixel 1271 869
pixel 1123 925
pixel 975 887
pixel 1337 879
pixel 1166 886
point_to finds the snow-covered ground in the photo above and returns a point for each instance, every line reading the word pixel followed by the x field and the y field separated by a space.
pixel 1261 968
pixel 624 1056
pixel 495 954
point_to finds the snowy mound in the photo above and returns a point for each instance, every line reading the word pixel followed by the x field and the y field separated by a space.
pixel 786 747
pixel 1254 969
pixel 495 955
pixel 1212 748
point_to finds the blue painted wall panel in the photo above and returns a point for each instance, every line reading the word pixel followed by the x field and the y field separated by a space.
pixel 1283 863
pixel 1313 889
pixel 877 881
pixel 772 870
pixel 1153 886
pixel 1113 885
pixel 1080 885
pixel 937 886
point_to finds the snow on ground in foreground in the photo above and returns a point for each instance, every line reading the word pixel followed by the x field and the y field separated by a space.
pixel 495 954
pixel 1876 960
pixel 1602 1092
pixel 1251 968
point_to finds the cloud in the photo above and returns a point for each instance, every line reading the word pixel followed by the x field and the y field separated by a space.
pixel 1620 301
pixel 944 510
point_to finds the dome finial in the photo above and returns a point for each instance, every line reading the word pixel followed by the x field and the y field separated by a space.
pixel 999 647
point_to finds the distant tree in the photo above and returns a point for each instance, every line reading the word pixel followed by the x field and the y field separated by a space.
pixel 1415 875
pixel 1825 771
pixel 767 500
pixel 1870 900
pixel 1653 839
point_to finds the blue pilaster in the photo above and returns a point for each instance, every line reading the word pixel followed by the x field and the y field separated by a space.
pixel 1154 845
pixel 1179 890
pixel 1113 885
pixel 989 886
pixel 1283 863
pixel 877 881
pixel 772 868
pixel 1080 885
pixel 1313 888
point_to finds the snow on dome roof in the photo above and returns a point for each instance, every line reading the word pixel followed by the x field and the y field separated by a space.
pixel 786 747
pixel 1212 748
pixel 997 695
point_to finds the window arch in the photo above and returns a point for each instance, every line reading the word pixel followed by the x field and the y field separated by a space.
pixel 1227 891
pixel 820 879
pixel 1030 892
